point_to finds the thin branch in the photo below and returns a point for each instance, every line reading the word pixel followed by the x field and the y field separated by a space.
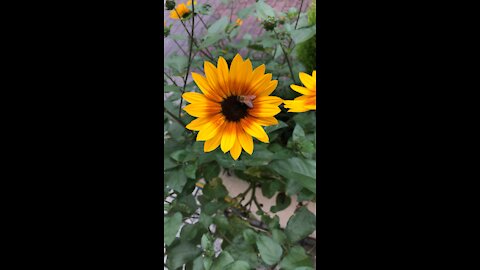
pixel 192 40
pixel 287 58
pixel 201 20
pixel 184 52
pixel 175 118
pixel 171 79
pixel 296 23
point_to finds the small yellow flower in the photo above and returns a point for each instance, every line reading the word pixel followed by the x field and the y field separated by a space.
pixel 308 101
pixel 179 12
pixel 189 3
pixel 239 22
pixel 234 105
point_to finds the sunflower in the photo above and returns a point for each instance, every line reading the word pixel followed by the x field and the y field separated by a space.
pixel 179 12
pixel 234 106
pixel 308 101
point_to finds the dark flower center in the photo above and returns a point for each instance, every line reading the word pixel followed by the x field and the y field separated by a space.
pixel 233 109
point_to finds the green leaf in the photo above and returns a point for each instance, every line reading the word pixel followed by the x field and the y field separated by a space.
pixel 181 254
pixel 212 207
pixel 270 251
pixel 278 236
pixel 221 221
pixel 176 62
pixel 292 187
pixel 296 258
pixel 298 133
pixel 296 169
pixel 185 204
pixel 282 201
pixel 207 245
pixel 205 220
pixel 223 260
pixel 238 265
pixel 211 170
pixel 218 26
pixel 215 189
pixel 304 34
pixel 305 195
pixel 176 179
pixel 192 232
pixel 300 225
pixel 183 156
pixel 271 129
pixel 264 10
pixel 210 40
pixel 171 227
pixel 168 163
pixel 190 170
pixel 243 13
pixel 197 264
pixel 250 236
pixel 207 263
pixel 171 88
pixel 270 188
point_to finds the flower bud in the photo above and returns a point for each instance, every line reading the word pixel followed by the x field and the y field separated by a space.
pixel 170 4
pixel 270 23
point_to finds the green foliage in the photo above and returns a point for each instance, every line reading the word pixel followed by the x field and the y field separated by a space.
pixel 307 42
pixel 283 168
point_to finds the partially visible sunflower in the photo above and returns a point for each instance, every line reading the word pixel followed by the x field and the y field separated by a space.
pixel 179 12
pixel 239 22
pixel 234 106
pixel 308 101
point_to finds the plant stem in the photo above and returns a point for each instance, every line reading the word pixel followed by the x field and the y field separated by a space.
pixel 174 117
pixel 296 23
pixel 191 35
pixel 286 57
pixel 189 60
pixel 171 79
pixel 180 47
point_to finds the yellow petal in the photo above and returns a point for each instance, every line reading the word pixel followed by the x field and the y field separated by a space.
pixel 194 97
pixel 222 68
pixel 198 123
pixel 266 121
pixel 205 87
pixel 246 141
pixel 254 77
pixel 212 78
pixel 210 130
pixel 268 100
pixel 264 110
pixel 229 137
pixel 258 86
pixel 236 78
pixel 302 90
pixel 236 150
pixel 213 143
pixel 202 110
pixel 254 129
pixel 307 80
pixel 270 87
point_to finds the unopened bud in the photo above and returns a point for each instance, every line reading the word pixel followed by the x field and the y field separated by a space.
pixel 170 4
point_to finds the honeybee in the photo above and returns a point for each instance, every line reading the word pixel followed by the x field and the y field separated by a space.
pixel 247 100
